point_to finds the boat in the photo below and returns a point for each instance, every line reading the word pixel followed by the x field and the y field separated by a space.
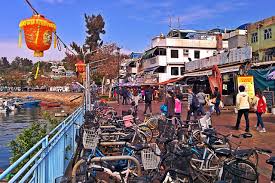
pixel 60 114
pixel 3 109
pixel 50 104
pixel 26 103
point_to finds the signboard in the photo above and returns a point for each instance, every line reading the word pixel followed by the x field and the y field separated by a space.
pixel 269 96
pixel 248 83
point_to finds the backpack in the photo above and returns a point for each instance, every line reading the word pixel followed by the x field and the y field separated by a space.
pixel 195 104
pixel 261 107
pixel 148 95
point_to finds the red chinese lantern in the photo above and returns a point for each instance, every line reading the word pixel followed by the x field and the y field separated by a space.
pixel 38 34
pixel 81 68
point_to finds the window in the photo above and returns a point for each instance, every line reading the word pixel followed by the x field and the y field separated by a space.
pixel 182 70
pixel 254 37
pixel 162 51
pixel 160 69
pixel 197 54
pixel 174 54
pixel 174 71
pixel 185 52
pixel 267 33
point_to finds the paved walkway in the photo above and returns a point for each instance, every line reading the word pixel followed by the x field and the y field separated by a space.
pixel 224 124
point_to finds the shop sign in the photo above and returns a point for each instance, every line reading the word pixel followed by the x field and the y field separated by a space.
pixel 248 83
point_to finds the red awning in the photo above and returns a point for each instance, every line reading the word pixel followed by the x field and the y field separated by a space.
pixel 169 81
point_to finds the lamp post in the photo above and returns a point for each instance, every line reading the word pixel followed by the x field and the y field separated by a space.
pixel 118 74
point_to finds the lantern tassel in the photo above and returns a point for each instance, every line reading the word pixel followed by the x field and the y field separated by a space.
pixel 20 39
pixel 37 34
pixel 37 70
pixel 55 40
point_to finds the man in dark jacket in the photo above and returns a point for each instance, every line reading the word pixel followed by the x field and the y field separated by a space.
pixel 148 99
pixel 124 94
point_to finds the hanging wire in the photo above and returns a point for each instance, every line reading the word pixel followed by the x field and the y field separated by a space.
pixel 58 38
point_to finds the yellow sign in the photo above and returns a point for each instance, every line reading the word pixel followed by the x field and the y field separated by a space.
pixel 248 83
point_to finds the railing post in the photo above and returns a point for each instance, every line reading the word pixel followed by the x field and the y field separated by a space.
pixel 45 164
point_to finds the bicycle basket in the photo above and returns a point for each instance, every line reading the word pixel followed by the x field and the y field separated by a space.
pixel 148 157
pixel 128 121
pixel 90 138
pixel 152 123
pixel 240 171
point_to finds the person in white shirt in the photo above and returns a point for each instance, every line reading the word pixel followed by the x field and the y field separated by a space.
pixel 243 106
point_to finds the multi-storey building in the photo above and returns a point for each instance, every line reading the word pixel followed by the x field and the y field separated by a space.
pixel 168 54
pixel 261 36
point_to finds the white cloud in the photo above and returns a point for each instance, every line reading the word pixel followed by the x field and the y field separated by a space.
pixel 10 50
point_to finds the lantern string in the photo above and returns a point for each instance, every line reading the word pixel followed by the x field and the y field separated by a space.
pixel 57 37
pixel 30 5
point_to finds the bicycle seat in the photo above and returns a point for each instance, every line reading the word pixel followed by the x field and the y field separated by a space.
pixel 243 153
pixel 223 152
pixel 127 138
pixel 109 130
pixel 271 161
pixel 209 133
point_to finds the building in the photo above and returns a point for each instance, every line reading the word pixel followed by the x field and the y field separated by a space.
pixel 237 39
pixel 261 37
pixel 167 56
pixel 129 67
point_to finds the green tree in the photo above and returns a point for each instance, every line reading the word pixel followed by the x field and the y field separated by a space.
pixel 22 64
pixel 4 65
pixel 25 140
pixel 94 29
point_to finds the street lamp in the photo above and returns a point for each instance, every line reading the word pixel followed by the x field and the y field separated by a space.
pixel 118 74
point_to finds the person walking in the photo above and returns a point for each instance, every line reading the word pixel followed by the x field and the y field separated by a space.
pixel 124 94
pixel 260 109
pixel 242 104
pixel 170 103
pixel 217 98
pixel 148 99
pixel 193 105
pixel 135 97
pixel 201 97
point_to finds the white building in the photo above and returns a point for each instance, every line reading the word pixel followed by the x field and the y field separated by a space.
pixel 168 54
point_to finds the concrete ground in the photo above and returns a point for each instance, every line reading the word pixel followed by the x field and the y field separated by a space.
pixel 224 124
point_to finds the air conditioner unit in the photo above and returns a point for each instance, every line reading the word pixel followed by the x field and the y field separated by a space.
pixel 185 52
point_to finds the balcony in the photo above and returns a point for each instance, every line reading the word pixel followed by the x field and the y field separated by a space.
pixel 154 62
pixel 190 43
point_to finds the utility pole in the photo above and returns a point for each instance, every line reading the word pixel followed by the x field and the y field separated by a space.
pixel 118 74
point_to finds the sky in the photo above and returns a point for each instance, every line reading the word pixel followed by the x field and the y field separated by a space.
pixel 129 23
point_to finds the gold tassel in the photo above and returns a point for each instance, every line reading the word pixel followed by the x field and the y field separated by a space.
pixel 20 39
pixel 55 40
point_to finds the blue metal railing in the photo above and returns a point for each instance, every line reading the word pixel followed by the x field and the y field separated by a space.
pixel 51 155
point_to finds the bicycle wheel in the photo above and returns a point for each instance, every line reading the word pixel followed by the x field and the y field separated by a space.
pixel 240 171
pixel 140 138
pixel 146 131
pixel 79 172
pixel 177 176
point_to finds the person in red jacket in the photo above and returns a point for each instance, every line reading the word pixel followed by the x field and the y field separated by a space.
pixel 260 109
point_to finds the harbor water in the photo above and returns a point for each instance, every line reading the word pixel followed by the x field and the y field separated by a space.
pixel 11 124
